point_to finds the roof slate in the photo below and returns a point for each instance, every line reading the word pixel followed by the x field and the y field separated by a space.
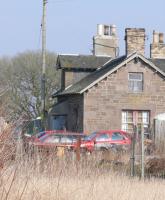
pixel 100 72
pixel 81 61
pixel 160 63
pixel 77 87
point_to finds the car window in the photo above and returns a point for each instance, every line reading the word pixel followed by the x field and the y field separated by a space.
pixel 91 136
pixel 52 139
pixel 117 136
pixel 66 139
pixel 102 137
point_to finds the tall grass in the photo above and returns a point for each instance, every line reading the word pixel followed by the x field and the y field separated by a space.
pixel 63 180
pixel 35 175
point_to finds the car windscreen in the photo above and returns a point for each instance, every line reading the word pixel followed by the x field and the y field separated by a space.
pixel 51 139
pixel 55 138
pixel 91 136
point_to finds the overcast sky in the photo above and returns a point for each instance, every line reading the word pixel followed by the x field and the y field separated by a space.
pixel 71 24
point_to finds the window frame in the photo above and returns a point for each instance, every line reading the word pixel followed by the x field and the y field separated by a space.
pixel 144 119
pixel 136 88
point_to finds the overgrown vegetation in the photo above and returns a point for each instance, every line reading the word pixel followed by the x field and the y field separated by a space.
pixel 44 175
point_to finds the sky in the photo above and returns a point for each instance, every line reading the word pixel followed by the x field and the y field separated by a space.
pixel 71 24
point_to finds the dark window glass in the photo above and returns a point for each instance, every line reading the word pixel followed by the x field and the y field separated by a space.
pixel 117 136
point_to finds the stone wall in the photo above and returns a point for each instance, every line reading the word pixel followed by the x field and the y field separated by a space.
pixel 135 40
pixel 105 43
pixel 103 103
pixel 157 50
pixel 72 77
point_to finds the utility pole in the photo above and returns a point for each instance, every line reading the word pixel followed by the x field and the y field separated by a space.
pixel 43 79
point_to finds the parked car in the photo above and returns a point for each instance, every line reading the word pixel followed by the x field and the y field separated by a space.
pixel 104 140
pixel 53 139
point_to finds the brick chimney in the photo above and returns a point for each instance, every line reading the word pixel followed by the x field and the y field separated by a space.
pixel 105 43
pixel 135 40
pixel 157 48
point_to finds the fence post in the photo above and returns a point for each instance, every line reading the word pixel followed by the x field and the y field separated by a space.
pixel 142 151
pixel 78 149
pixel 133 152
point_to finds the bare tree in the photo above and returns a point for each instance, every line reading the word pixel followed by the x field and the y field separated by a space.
pixel 20 83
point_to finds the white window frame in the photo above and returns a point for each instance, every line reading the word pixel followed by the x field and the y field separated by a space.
pixel 135 85
pixel 135 119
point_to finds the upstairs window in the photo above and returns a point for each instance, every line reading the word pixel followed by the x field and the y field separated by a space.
pixel 135 81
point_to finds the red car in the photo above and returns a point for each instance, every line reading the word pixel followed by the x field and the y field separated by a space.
pixel 53 139
pixel 104 140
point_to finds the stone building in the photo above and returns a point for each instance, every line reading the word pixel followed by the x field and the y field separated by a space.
pixel 107 91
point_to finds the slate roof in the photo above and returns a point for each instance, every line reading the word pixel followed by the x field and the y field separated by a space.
pixel 77 87
pixel 160 63
pixel 80 61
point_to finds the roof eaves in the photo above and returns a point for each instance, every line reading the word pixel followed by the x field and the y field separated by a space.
pixel 151 64
pixel 128 59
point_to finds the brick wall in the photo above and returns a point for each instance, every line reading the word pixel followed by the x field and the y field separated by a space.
pixel 103 103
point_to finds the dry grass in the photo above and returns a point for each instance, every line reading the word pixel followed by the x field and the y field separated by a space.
pixel 35 176
pixel 49 178
pixel 25 182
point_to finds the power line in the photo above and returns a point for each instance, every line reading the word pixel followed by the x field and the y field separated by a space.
pixel 61 1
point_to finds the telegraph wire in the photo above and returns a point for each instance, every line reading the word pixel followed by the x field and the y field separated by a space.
pixel 61 1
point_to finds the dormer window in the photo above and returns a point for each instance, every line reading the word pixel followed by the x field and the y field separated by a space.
pixel 135 81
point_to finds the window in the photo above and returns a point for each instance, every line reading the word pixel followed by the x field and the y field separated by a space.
pixel 117 136
pixel 52 139
pixel 102 137
pixel 134 117
pixel 135 82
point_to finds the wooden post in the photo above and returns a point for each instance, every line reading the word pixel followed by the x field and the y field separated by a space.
pixel 78 149
pixel 133 151
pixel 142 151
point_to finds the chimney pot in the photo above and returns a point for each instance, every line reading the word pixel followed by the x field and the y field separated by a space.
pixel 113 30
pixel 155 37
pixel 161 38
pixel 105 43
pixel 100 29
